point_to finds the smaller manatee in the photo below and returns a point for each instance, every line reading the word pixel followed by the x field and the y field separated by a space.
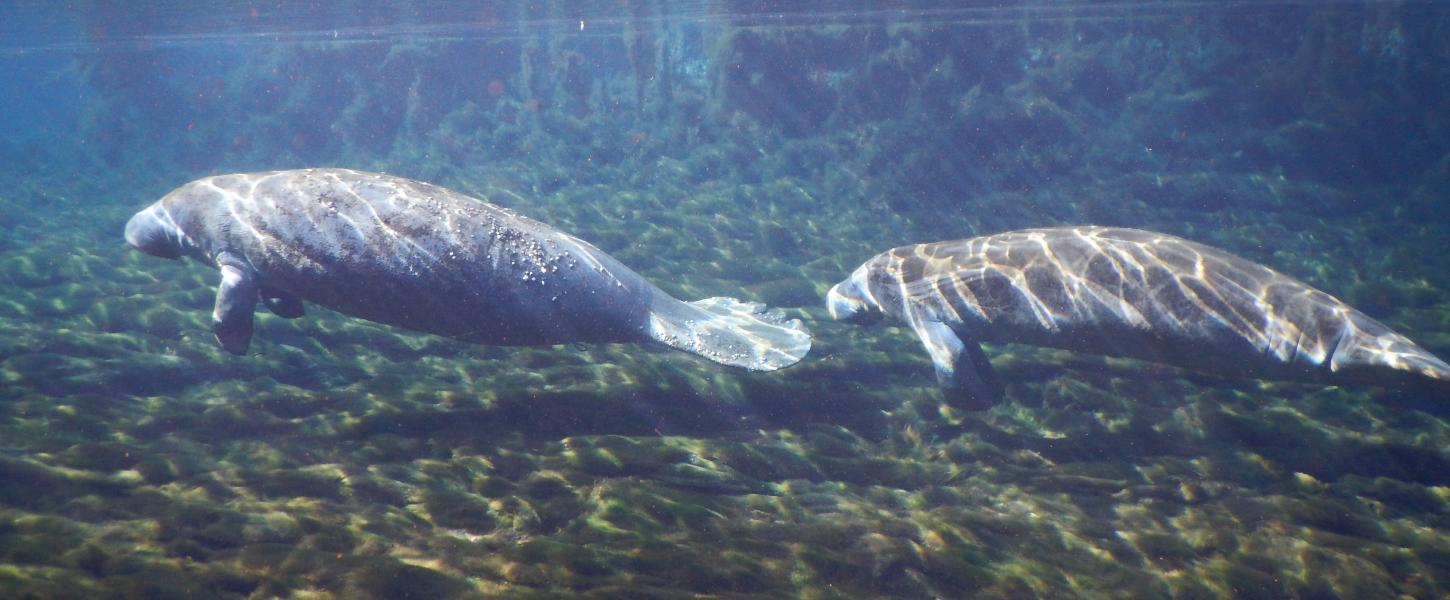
pixel 1121 292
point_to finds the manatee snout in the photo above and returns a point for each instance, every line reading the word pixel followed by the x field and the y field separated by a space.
pixel 848 301
pixel 147 232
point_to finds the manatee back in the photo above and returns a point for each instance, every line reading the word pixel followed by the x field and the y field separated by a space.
pixel 1127 292
pixel 419 256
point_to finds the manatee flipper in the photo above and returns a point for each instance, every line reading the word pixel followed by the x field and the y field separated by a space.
pixel 966 376
pixel 728 331
pixel 987 386
pixel 236 297
pixel 281 303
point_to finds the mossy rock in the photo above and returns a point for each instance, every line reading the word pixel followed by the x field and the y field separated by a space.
pixel 386 578
pixel 1400 496
pixel 576 560
pixel 881 470
pixel 1336 516
pixel 103 456
pixel 25 271
pixel 769 462
pixel 778 240
pixel 382 448
pixel 148 374
pixel 378 490
pixel 331 538
pixel 29 483
pixel 227 531
pixel 160 584
pixel 163 321
pixel 223 581
pixel 616 456
pixel 66 300
pixel 459 510
pixel 545 485
pixel 292 483
pixel 1166 550
pixel 493 486
pixel 1252 579
pixel 290 402
pixel 709 478
pixel 686 566
pixel 35 548
pixel 160 469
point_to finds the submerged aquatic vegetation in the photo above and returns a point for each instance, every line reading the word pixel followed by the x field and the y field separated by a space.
pixel 725 155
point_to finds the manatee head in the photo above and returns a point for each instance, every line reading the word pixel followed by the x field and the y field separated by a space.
pixel 155 232
pixel 851 300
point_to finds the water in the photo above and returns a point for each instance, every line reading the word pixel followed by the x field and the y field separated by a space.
pixel 719 149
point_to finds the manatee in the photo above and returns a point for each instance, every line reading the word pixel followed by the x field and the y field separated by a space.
pixel 1121 292
pixel 421 257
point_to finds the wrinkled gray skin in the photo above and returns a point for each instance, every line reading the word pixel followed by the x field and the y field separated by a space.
pixel 418 256
pixel 1121 292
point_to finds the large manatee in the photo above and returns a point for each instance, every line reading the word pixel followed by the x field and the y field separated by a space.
pixel 421 257
pixel 1120 292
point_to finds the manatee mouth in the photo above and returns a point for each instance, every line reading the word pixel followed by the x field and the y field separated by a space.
pixel 148 233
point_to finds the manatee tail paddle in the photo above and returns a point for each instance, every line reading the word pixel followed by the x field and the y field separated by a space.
pixel 1370 351
pixel 730 332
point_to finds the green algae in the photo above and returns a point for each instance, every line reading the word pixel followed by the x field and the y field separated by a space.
pixel 345 459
